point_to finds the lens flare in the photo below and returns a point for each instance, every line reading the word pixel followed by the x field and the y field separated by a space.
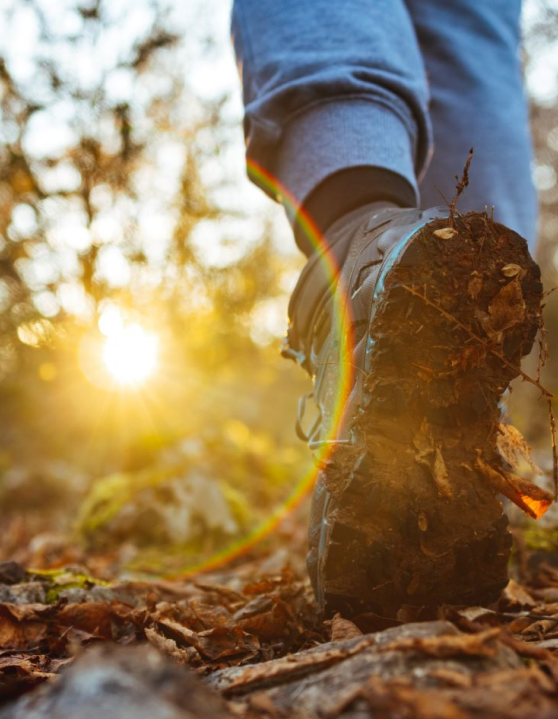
pixel 130 354
pixel 342 321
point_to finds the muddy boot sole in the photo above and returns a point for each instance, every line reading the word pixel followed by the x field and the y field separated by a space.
pixel 405 515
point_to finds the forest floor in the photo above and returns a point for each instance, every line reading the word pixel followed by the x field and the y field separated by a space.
pixel 247 641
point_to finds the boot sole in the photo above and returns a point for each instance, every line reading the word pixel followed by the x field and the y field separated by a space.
pixel 403 516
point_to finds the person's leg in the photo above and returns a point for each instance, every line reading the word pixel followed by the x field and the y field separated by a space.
pixel 473 65
pixel 335 98
pixel 405 510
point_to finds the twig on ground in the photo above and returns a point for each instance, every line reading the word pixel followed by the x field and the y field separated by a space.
pixel 444 198
pixel 461 185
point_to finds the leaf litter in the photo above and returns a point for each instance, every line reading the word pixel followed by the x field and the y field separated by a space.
pixel 247 641
pixel 254 637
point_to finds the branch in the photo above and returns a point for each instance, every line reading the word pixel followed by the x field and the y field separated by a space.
pixel 461 185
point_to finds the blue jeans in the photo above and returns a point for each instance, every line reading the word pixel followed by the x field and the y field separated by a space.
pixel 404 85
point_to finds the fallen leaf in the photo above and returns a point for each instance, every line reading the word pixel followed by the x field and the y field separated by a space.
pixel 214 644
pixel 342 629
pixel 208 615
pixel 507 308
pixel 470 616
pixel 21 672
pixel 533 500
pixel 514 595
pixel 481 644
pixel 430 456
pixel 20 627
pixel 513 447
pixel 474 286
pixel 525 649
pixel 547 644
pixel 295 665
pixel 169 646
pixel 99 618
pixel 272 625
pixel 258 605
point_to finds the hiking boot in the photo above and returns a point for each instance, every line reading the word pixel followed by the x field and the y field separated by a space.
pixel 412 325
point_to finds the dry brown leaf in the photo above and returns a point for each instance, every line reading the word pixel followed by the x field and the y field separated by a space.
pixel 342 629
pixel 513 447
pixel 533 500
pixel 100 618
pixel 272 625
pixel 265 585
pixel 526 649
pixel 228 594
pixel 208 615
pixel 474 286
pixel 223 642
pixel 214 644
pixel 514 595
pixel 449 645
pixel 430 456
pixel 507 308
pixel 475 614
pixel 295 665
pixel 520 624
pixel 29 612
pixel 169 646
pixel 259 605
pixel 19 632
pixel 21 672
pixel 92 617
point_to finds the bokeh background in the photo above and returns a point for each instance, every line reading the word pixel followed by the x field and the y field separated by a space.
pixel 146 417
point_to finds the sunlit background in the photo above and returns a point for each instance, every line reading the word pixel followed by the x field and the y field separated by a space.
pixel 144 284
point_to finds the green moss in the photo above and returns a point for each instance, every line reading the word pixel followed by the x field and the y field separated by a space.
pixel 137 506
pixel 170 560
pixel 238 504
pixel 62 579
pixel 110 494
pixel 540 537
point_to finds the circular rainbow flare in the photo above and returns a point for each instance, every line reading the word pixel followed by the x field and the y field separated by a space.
pixel 342 325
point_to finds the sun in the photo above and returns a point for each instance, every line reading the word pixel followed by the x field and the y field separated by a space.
pixel 130 353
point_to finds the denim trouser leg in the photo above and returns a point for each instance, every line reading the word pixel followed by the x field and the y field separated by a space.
pixel 471 53
pixel 331 85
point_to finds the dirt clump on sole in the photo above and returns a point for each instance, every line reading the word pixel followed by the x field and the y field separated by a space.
pixel 457 312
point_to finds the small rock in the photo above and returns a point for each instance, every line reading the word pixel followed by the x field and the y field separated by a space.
pixel 121 683
pixel 24 593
